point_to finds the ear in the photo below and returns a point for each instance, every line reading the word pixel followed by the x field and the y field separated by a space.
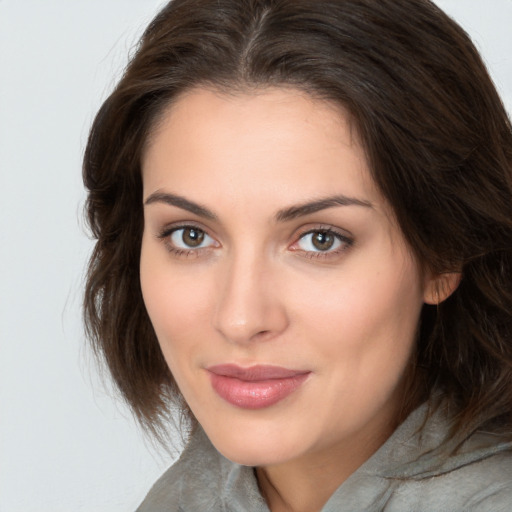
pixel 439 287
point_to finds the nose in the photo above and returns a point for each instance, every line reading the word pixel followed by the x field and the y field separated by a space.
pixel 250 306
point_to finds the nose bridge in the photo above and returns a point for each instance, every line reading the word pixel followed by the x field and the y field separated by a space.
pixel 249 305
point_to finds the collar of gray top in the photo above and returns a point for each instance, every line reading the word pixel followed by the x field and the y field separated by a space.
pixel 404 468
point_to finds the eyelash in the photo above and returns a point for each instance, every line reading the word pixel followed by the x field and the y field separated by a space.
pixel 166 234
pixel 345 242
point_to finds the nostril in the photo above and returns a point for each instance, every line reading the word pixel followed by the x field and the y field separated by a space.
pixel 261 334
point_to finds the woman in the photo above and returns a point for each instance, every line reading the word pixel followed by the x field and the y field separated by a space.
pixel 303 213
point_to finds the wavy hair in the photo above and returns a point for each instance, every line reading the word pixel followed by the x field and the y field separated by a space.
pixel 439 146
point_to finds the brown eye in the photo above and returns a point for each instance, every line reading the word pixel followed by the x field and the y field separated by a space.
pixel 190 238
pixel 322 241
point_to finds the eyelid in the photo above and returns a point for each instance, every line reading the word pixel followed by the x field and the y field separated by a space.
pixel 346 239
pixel 167 231
pixel 168 228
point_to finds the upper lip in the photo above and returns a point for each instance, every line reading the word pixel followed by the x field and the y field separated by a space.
pixel 254 373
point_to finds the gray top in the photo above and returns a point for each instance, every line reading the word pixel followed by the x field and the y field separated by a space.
pixel 409 473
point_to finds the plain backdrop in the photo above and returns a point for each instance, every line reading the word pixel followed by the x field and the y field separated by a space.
pixel 65 443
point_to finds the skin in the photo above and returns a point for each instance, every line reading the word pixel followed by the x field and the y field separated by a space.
pixel 257 291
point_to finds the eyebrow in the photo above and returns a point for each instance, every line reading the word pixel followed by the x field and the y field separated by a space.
pixel 181 202
pixel 283 215
pixel 321 204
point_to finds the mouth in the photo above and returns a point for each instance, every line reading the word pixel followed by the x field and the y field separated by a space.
pixel 255 387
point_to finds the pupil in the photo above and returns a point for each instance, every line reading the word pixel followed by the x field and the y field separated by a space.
pixel 323 241
pixel 193 237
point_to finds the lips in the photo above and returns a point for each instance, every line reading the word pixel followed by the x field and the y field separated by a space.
pixel 255 387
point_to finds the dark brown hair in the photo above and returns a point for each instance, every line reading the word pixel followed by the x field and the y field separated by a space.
pixel 438 142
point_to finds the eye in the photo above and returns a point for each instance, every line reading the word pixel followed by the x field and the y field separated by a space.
pixel 322 242
pixel 190 237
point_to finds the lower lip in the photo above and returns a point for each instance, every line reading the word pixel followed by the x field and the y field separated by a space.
pixel 255 394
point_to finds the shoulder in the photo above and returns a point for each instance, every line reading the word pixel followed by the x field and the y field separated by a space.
pixel 165 493
pixel 190 474
pixel 419 469
pixel 476 477
pixel 203 480
pixel 482 485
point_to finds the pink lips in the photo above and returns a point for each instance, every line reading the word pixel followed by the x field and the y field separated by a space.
pixel 255 387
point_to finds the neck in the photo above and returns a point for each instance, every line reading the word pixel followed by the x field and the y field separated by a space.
pixel 306 483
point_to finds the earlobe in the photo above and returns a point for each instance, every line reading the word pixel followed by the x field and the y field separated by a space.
pixel 439 287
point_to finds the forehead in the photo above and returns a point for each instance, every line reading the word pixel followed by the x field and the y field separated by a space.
pixel 255 143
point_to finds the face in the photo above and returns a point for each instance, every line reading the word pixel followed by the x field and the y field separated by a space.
pixel 281 290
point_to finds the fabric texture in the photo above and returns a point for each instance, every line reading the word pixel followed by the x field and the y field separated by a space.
pixel 409 473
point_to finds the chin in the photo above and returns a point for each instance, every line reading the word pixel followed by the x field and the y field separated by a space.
pixel 252 456
pixel 257 449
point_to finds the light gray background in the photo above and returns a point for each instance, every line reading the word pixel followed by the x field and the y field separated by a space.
pixel 64 443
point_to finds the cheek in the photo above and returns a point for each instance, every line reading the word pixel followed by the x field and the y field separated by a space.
pixel 362 333
pixel 367 318
pixel 177 303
